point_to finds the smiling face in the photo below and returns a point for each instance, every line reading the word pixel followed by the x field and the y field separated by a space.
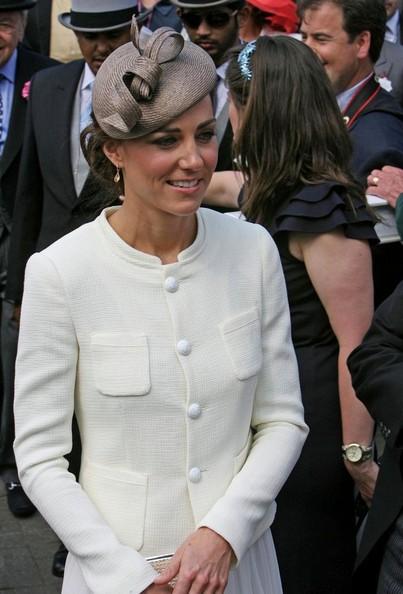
pixel 96 47
pixel 346 61
pixel 166 173
pixel 11 33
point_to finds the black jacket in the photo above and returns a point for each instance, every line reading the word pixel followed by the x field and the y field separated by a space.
pixel 28 63
pixel 377 372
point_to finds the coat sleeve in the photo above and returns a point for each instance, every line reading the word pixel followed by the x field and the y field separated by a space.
pixel 44 403
pixel 278 419
pixel 376 367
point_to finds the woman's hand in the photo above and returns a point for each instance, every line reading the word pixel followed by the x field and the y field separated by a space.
pixel 364 476
pixel 201 564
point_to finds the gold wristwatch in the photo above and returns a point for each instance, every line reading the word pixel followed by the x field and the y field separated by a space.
pixel 356 453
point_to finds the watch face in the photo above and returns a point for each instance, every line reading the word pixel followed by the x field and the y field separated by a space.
pixel 354 453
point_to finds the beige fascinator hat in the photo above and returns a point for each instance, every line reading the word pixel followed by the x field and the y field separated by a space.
pixel 140 89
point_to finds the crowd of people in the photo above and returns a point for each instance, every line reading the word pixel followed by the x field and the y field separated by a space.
pixel 191 399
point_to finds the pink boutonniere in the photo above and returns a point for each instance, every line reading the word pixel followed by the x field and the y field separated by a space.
pixel 25 90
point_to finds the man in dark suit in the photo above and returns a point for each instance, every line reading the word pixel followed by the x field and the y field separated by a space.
pixel 377 371
pixel 17 66
pixel 348 35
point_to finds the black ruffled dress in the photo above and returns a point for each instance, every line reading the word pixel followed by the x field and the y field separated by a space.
pixel 314 529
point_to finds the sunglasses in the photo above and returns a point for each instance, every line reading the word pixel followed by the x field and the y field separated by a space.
pixel 216 20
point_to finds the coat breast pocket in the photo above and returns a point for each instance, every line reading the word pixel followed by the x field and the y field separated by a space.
pixel 243 343
pixel 121 364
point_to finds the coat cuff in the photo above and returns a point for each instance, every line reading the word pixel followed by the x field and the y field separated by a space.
pixel 239 532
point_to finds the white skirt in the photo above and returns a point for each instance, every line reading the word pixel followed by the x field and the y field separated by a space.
pixel 257 573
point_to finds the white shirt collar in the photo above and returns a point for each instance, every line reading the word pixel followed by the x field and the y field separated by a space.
pixel 392 28
pixel 221 70
pixel 88 77
pixel 344 98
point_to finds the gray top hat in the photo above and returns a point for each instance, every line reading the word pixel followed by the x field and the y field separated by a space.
pixel 201 4
pixel 139 89
pixel 99 15
pixel 16 4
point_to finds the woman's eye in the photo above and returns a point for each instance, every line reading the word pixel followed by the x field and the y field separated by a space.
pixel 206 136
pixel 165 141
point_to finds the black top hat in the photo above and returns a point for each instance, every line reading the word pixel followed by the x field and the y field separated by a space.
pixel 16 4
pixel 101 15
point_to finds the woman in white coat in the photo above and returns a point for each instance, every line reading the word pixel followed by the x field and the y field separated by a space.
pixel 165 327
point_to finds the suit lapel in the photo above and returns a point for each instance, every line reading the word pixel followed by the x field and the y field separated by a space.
pixel 19 106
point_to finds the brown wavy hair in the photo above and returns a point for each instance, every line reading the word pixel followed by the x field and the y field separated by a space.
pixel 93 139
pixel 291 130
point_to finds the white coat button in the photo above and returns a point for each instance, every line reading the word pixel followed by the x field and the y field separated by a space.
pixel 184 347
pixel 195 475
pixel 194 410
pixel 171 284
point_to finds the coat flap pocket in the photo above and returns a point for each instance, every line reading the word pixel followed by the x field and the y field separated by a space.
pixel 120 496
pixel 116 474
pixel 242 338
pixel 121 364
pixel 237 322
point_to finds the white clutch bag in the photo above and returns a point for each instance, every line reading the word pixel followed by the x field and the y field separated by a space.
pixel 160 563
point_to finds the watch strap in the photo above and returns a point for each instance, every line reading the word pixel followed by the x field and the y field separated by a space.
pixel 366 452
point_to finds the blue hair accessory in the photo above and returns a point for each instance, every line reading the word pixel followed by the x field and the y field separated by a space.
pixel 244 59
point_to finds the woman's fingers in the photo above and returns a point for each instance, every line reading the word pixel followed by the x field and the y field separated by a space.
pixel 169 572
pixel 201 564
pixel 200 583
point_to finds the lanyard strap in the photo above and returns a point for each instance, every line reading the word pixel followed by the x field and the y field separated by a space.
pixel 360 100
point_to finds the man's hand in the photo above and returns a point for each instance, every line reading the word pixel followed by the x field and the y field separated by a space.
pixel 386 183
pixel 364 476
pixel 201 564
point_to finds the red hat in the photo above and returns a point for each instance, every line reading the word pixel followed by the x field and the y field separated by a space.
pixel 281 14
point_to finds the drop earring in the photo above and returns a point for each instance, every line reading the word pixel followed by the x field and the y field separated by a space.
pixel 116 179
